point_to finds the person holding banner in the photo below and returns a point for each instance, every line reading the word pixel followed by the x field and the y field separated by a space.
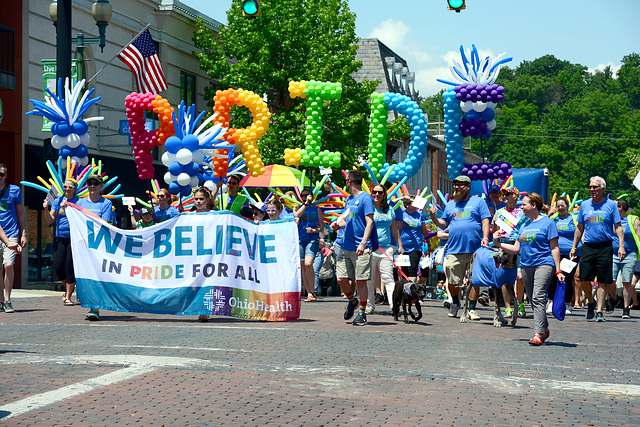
pixel 508 220
pixel 233 200
pixel 202 203
pixel 164 210
pixel 385 221
pixel 537 245
pixel 100 207
pixel 566 226
pixel 598 217
pixel 310 226
pixel 146 218
pixel 360 239
pixel 274 209
pixel 62 256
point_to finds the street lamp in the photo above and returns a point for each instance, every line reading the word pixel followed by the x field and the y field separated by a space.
pixel 60 12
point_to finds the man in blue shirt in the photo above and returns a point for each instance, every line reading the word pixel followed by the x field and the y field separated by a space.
pixel 13 221
pixel 495 202
pixel 597 219
pixel 360 239
pixel 469 220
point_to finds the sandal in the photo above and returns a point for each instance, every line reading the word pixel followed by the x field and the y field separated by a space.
pixel 536 340
pixel 67 302
pixel 546 335
pixel 311 298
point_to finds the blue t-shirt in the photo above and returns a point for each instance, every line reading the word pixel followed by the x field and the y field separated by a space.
pixel 411 232
pixel 308 219
pixel 495 207
pixel 629 242
pixel 599 220
pixel 566 230
pixel 359 207
pixel 484 268
pixel 161 215
pixel 465 224
pixel 62 222
pixel 102 208
pixel 8 213
pixel 534 238
pixel 383 221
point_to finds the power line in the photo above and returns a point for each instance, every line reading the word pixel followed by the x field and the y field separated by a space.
pixel 569 131
pixel 565 137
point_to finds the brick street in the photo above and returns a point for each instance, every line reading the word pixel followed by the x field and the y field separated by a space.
pixel 143 369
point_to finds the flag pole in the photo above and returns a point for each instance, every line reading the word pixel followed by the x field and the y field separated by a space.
pixel 116 55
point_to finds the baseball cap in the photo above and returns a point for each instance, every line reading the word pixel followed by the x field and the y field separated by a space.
pixel 146 211
pixel 494 187
pixel 96 177
pixel 462 178
pixel 260 205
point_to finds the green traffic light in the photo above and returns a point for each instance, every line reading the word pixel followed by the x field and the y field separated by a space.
pixel 249 7
pixel 456 3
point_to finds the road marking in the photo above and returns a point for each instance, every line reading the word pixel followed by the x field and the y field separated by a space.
pixel 44 399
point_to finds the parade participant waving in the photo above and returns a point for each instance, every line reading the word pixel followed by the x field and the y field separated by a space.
pixel 62 257
pixel 537 244
pixel 310 225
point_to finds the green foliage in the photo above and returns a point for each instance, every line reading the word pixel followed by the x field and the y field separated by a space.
pixel 292 40
pixel 398 129
pixel 577 124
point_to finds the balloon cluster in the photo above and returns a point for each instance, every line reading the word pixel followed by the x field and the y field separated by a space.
pixel 70 135
pixel 482 171
pixel 419 136
pixel 315 92
pixel 143 140
pixel 377 132
pixel 234 166
pixel 246 137
pixel 473 92
pixel 190 148
pixel 453 136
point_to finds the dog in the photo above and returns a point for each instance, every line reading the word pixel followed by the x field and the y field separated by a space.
pixel 408 293
pixel 491 264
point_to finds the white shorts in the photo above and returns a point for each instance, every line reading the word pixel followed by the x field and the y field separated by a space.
pixel 8 255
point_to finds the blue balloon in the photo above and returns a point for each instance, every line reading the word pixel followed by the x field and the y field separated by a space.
pixel 173 144
pixel 65 152
pixel 176 169
pixel 192 168
pixel 185 190
pixel 80 127
pixel 174 188
pixel 81 151
pixel 190 142
pixel 488 114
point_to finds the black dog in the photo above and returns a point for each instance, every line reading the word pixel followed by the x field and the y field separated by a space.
pixel 408 293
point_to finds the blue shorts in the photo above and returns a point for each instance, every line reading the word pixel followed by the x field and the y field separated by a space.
pixel 505 276
pixel 625 267
pixel 309 249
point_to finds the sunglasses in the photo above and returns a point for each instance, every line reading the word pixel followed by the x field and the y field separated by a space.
pixel 594 187
pixel 3 174
pixel 146 214
pixel 377 192
pixel 93 183
pixel 162 196
pixel 68 187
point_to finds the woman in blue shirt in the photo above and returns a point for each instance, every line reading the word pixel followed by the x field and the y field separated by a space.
pixel 384 218
pixel 62 257
pixel 537 244
pixel 310 225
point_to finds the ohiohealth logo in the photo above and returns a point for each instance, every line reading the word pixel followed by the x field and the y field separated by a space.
pixel 214 300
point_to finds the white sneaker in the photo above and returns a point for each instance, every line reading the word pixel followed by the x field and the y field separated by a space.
pixel 473 315
pixel 567 311
pixel 550 307
pixel 369 310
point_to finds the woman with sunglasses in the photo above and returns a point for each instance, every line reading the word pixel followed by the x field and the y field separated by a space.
pixel 310 226
pixel 100 206
pixel 384 218
pixel 164 210
pixel 62 257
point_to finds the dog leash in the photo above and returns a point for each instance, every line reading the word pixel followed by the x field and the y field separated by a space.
pixel 393 262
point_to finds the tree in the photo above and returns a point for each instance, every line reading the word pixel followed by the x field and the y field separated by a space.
pixel 292 40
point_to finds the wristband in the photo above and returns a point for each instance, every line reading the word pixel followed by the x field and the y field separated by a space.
pixel 361 244
pixel 574 248
pixel 558 272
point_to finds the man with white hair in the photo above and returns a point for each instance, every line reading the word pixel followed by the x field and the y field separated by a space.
pixel 597 219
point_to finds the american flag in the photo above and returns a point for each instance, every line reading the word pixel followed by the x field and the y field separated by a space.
pixel 141 57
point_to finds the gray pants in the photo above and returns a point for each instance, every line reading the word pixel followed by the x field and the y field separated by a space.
pixel 536 283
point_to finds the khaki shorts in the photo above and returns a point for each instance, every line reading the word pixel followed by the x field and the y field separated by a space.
pixel 349 265
pixel 456 266
pixel 8 255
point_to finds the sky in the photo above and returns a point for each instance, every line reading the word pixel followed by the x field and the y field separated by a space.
pixel 593 33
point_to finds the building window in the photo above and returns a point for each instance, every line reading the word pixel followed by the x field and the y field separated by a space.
pixel 187 88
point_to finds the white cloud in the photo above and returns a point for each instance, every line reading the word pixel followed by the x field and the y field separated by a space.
pixel 601 67
pixel 392 33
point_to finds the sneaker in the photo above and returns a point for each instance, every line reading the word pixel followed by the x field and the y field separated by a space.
pixel 447 304
pixel 609 305
pixel 591 308
pixel 93 314
pixel 360 320
pixel 600 317
pixel 8 308
pixel 549 307
pixel 473 315
pixel 453 310
pixel 521 312
pixel 379 299
pixel 483 302
pixel 350 308
pixel 369 310
pixel 626 313
pixel 568 310
pixel 508 312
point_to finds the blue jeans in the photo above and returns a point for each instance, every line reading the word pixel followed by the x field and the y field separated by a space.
pixel 317 265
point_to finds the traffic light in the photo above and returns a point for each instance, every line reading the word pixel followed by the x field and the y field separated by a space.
pixel 250 8
pixel 456 5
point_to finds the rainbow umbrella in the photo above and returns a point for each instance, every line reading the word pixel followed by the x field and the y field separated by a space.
pixel 275 176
